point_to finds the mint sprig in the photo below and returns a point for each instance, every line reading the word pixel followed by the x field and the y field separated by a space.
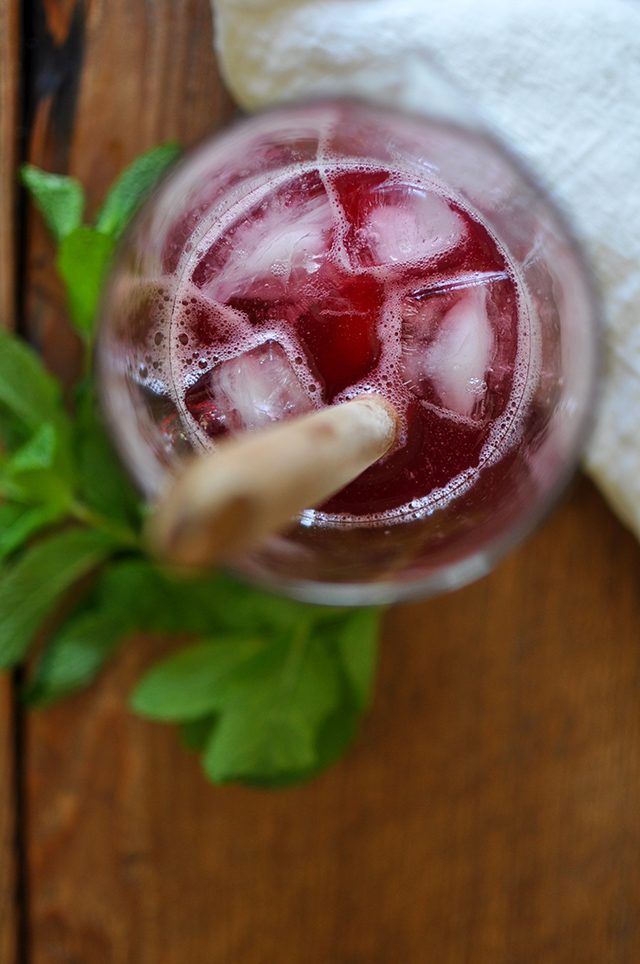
pixel 133 185
pixel 85 251
pixel 60 199
pixel 267 691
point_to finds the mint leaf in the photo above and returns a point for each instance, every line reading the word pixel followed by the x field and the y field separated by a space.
pixel 202 605
pixel 60 199
pixel 261 742
pixel 333 738
pixel 27 390
pixel 133 186
pixel 188 684
pixel 38 453
pixel 12 433
pixel 214 604
pixel 270 712
pixel 196 733
pixel 40 470
pixel 264 703
pixel 76 654
pixel 221 602
pixel 101 481
pixel 33 585
pixel 113 609
pixel 83 258
pixel 357 642
pixel 351 639
pixel 245 607
pixel 135 586
pixel 335 735
pixel 19 522
pixel 247 701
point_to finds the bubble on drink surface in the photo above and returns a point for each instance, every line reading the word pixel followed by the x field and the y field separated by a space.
pixel 249 391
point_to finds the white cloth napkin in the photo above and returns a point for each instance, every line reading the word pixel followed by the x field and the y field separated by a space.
pixel 560 81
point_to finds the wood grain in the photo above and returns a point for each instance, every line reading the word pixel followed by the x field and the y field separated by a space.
pixel 489 813
pixel 8 906
pixel 9 49
pixel 9 91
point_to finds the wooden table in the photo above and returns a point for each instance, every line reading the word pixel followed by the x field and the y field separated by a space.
pixel 490 813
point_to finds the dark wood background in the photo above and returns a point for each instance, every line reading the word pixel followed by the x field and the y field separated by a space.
pixel 490 812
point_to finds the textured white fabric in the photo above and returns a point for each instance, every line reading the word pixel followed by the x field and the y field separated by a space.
pixel 559 80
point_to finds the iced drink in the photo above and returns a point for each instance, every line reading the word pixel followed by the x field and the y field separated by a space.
pixel 329 272
pixel 340 281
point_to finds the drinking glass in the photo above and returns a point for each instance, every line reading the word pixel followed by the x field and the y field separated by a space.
pixel 418 550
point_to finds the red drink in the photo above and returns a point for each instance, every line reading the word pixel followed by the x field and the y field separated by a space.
pixel 345 281
pixel 321 252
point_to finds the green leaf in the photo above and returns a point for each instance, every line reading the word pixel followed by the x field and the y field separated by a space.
pixel 336 735
pixel 270 712
pixel 77 652
pixel 261 742
pixel 27 390
pixel 60 199
pixel 75 655
pixel 30 589
pixel 38 453
pixel 221 603
pixel 217 604
pixel 12 433
pixel 40 471
pixel 351 638
pixel 83 258
pixel 188 684
pixel 134 586
pixel 333 738
pixel 196 733
pixel 133 186
pixel 357 641
pixel 156 603
pixel 101 481
pixel 18 523
pixel 284 709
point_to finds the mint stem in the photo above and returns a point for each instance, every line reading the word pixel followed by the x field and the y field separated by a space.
pixel 126 537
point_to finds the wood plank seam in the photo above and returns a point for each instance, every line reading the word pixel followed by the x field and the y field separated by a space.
pixel 9 105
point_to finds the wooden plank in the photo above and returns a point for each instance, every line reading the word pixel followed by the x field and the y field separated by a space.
pixel 8 155
pixel 9 913
pixel 489 811
pixel 9 65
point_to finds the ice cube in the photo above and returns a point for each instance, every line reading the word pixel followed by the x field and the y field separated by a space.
pixel 406 225
pixel 448 345
pixel 248 391
pixel 287 239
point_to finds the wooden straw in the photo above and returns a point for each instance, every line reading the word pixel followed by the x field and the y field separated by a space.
pixel 227 500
